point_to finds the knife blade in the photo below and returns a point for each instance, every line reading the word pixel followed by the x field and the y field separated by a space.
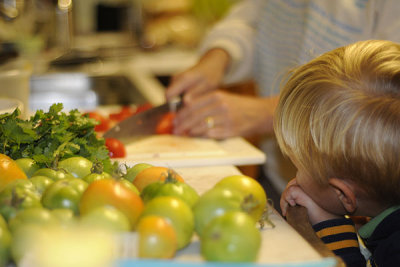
pixel 143 123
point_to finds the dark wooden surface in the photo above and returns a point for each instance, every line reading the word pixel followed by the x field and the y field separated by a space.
pixel 297 217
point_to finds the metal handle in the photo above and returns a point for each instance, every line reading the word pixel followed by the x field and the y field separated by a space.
pixel 175 103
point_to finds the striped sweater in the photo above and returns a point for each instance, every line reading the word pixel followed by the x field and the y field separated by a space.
pixel 380 238
pixel 340 236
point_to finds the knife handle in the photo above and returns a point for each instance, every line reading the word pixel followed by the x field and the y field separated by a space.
pixel 175 103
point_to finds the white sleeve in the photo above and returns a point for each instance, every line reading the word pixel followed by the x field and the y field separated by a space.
pixel 387 25
pixel 235 34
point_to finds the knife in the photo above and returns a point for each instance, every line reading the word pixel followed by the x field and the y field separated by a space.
pixel 143 123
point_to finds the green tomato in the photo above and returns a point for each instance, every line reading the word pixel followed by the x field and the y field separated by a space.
pixel 213 203
pixel 33 216
pixel 54 175
pixel 170 188
pixel 78 166
pixel 41 183
pixel 18 195
pixel 231 237
pixel 106 218
pixel 13 185
pixel 96 176
pixel 5 243
pixel 64 194
pixel 65 217
pixel 256 197
pixel 177 213
pixel 133 171
pixel 3 222
pixel 25 227
pixel 28 165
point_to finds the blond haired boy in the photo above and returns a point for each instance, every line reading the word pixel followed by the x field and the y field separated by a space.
pixel 338 120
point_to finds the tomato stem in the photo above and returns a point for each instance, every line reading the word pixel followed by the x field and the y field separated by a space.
pixel 265 219
pixel 171 176
pixel 97 167
pixel 249 203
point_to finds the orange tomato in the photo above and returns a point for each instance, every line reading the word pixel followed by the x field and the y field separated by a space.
pixel 157 238
pixel 110 192
pixel 177 212
pixel 9 171
pixel 154 174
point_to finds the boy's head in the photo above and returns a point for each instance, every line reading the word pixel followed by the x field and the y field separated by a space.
pixel 339 117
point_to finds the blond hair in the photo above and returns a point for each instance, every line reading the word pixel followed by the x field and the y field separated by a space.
pixel 339 117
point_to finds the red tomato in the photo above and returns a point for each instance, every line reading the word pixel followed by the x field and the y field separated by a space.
pixel 115 147
pixel 125 112
pixel 104 123
pixel 166 123
pixel 143 107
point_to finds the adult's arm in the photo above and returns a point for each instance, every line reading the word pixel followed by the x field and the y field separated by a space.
pixel 235 34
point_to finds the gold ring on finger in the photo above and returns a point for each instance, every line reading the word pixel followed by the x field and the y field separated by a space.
pixel 210 122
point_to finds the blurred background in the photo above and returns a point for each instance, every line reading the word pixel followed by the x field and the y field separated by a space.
pixel 37 25
pixel 90 53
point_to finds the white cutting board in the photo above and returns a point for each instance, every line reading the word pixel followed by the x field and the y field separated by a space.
pixel 170 146
pixel 179 151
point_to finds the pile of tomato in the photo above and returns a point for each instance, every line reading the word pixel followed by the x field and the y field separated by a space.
pixel 154 202
pixel 105 122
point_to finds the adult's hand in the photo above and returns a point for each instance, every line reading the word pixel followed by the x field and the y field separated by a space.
pixel 203 77
pixel 219 114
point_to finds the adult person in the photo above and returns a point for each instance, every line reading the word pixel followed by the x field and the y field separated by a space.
pixel 263 39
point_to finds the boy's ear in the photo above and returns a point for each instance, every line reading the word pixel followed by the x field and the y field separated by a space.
pixel 345 193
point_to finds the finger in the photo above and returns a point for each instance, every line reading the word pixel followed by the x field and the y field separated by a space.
pixel 197 90
pixel 180 84
pixel 289 196
pixel 284 205
pixel 202 127
pixel 191 118
pixel 219 133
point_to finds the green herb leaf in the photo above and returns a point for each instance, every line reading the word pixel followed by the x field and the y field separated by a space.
pixel 51 136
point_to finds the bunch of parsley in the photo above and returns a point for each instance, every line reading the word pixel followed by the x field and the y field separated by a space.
pixel 48 137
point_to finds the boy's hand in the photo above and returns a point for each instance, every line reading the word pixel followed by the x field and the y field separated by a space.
pixel 294 195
